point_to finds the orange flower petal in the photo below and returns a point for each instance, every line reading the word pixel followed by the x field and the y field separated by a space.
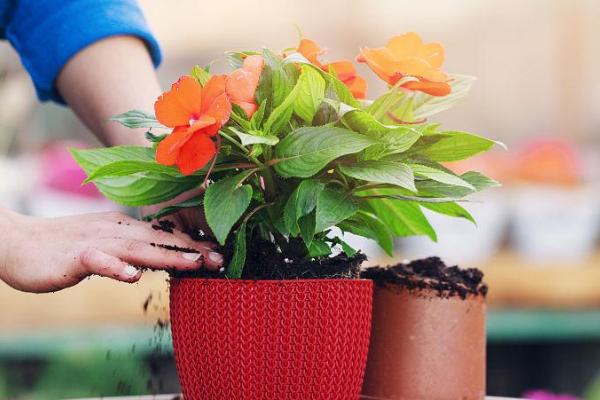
pixel 249 108
pixel 407 55
pixel 202 123
pixel 404 46
pixel 215 104
pixel 357 86
pixel 178 105
pixel 195 153
pixel 213 90
pixel 167 150
pixel 242 83
pixel 311 50
pixel 420 68
pixel 431 88
pixel 344 69
pixel 382 62
pixel 220 110
pixel 433 53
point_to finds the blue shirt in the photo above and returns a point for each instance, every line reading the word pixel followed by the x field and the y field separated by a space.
pixel 47 33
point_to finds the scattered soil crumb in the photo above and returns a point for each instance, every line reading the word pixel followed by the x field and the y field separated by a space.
pixel 164 225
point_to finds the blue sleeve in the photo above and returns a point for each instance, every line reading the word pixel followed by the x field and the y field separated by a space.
pixel 47 33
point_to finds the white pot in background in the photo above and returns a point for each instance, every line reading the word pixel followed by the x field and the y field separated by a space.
pixel 459 240
pixel 554 224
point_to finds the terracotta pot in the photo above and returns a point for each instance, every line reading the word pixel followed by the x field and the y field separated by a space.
pixel 426 347
pixel 288 339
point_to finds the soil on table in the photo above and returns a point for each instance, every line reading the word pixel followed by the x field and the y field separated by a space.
pixel 429 273
pixel 264 260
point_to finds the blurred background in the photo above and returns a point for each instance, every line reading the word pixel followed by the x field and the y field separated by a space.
pixel 538 91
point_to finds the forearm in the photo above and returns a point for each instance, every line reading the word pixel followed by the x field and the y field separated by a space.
pixel 107 78
pixel 8 231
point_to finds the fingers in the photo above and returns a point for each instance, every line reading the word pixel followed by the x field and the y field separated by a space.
pixel 100 263
pixel 154 256
pixel 144 232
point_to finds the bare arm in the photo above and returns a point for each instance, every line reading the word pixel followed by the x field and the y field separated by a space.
pixel 40 254
pixel 107 78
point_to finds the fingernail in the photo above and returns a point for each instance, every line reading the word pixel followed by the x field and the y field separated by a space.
pixel 192 256
pixel 215 257
pixel 131 271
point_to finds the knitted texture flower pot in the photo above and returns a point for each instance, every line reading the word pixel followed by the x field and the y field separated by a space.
pixel 271 339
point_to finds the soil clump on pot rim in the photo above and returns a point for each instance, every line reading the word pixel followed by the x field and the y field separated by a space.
pixel 429 273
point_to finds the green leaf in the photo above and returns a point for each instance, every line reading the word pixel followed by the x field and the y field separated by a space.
pixel 451 146
pixel 477 180
pixel 190 203
pixel 391 101
pixel 281 114
pixel 137 119
pixel 311 91
pixel 253 138
pixel 346 248
pixel 154 138
pixel 224 203
pixel 258 116
pixel 281 82
pixel 302 201
pixel 201 75
pixel 333 206
pixel 394 139
pixel 439 175
pixel 425 105
pixel 306 151
pixel 369 226
pixel 239 116
pixel 451 209
pixel 318 248
pixel 236 265
pixel 307 225
pixel 404 218
pixel 235 59
pixel 391 172
pixel 340 89
pixel 125 168
pixel 137 190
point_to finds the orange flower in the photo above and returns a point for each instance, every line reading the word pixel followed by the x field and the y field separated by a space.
pixel 196 114
pixel 407 56
pixel 242 83
pixel 344 69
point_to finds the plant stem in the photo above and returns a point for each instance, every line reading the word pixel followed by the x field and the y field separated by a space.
pixel 237 144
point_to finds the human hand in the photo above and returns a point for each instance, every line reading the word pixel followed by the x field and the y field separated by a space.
pixel 43 254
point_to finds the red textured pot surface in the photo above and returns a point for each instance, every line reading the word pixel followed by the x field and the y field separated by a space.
pixel 289 339
pixel 424 347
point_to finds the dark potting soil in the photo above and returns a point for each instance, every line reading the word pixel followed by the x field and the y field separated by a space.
pixel 430 273
pixel 265 261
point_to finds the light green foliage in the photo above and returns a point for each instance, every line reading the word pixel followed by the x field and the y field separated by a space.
pixel 224 203
pixel 307 151
pixel 312 157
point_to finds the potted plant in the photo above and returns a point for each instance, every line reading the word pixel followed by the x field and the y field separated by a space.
pixel 428 328
pixel 285 148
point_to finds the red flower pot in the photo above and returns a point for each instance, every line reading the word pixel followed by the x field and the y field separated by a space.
pixel 288 339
